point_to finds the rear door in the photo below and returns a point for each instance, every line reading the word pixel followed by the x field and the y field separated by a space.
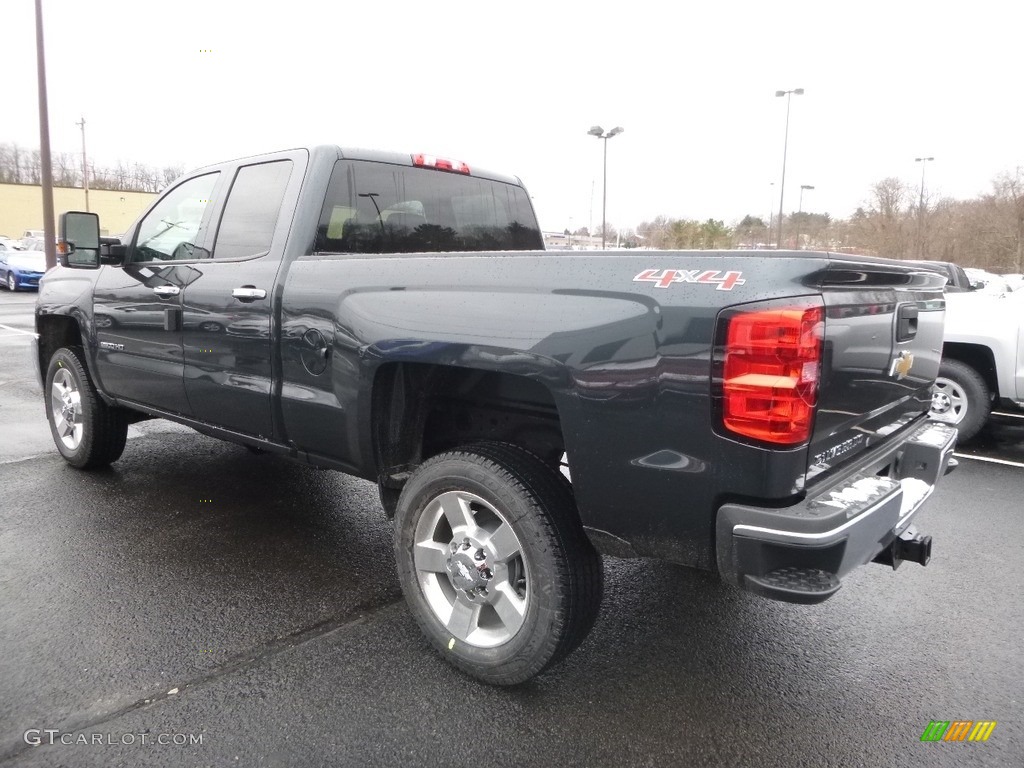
pixel 228 309
pixel 883 344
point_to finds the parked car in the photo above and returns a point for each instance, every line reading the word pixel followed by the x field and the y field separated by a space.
pixel 988 282
pixel 957 279
pixel 32 244
pixel 982 360
pixel 1015 280
pixel 21 269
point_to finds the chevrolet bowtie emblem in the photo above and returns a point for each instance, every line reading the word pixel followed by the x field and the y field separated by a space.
pixel 901 365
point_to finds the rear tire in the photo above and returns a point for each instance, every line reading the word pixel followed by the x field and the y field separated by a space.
pixel 494 562
pixel 12 282
pixel 87 432
pixel 961 398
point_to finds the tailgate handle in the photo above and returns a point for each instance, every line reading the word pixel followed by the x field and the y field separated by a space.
pixel 906 322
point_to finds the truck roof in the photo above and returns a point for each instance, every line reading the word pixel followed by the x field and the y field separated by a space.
pixel 375 155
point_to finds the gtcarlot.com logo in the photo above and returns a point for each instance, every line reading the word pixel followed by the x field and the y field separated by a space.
pixel 39 736
pixel 958 730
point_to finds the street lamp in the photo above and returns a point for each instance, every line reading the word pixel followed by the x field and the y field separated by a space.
pixel 598 131
pixel 785 147
pixel 920 206
pixel 802 188
pixel 800 211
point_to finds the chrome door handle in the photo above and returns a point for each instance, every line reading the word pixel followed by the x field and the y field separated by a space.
pixel 248 293
pixel 167 290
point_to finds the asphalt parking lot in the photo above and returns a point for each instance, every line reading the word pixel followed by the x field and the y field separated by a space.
pixel 249 607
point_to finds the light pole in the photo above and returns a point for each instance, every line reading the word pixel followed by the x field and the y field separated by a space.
pixel 785 148
pixel 598 131
pixel 920 207
pixel 800 212
pixel 85 166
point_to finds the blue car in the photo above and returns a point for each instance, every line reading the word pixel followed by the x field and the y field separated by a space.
pixel 21 269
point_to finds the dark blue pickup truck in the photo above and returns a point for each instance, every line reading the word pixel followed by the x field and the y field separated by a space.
pixel 761 414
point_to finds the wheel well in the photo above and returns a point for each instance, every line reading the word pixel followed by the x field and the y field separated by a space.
pixel 421 410
pixel 978 357
pixel 55 331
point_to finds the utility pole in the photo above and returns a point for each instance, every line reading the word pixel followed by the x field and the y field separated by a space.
pixel 85 165
pixel 49 234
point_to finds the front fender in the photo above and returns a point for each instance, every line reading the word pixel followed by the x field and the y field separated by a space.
pixel 63 317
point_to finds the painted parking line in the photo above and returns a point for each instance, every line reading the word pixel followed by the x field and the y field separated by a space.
pixel 17 330
pixel 1008 415
pixel 1005 462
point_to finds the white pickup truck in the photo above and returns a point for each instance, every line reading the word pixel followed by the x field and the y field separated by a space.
pixel 982 359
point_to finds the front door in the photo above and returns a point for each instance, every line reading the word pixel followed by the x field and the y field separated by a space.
pixel 137 306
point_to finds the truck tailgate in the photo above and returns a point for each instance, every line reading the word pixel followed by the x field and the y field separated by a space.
pixel 882 347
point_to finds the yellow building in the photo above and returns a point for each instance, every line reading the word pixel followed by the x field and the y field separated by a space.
pixel 21 207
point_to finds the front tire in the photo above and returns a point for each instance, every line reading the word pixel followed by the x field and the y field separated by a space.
pixel 961 398
pixel 87 432
pixel 12 282
pixel 494 563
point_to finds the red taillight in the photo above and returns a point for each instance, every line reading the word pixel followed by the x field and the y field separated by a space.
pixel 440 163
pixel 770 376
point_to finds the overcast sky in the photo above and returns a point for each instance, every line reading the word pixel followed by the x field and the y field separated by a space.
pixel 514 87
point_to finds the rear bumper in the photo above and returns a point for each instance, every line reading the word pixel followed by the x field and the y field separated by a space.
pixel 801 553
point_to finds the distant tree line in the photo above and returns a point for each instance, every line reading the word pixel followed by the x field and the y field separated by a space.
pixel 22 166
pixel 986 232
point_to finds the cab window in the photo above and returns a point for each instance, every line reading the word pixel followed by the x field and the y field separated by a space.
pixel 375 207
pixel 252 210
pixel 173 229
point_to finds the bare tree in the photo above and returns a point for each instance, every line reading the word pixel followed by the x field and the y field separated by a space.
pixel 65 171
pixel 1008 202
pixel 172 172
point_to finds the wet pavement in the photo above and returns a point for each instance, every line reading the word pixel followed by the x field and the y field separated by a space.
pixel 197 592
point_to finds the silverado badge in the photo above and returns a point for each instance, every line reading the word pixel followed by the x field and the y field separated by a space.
pixel 901 365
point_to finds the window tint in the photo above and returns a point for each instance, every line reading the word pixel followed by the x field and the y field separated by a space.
pixel 383 208
pixel 172 229
pixel 253 207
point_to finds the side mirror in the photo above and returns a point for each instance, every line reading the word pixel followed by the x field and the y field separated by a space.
pixel 79 240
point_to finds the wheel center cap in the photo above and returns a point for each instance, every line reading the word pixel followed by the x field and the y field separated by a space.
pixel 467 569
pixel 940 402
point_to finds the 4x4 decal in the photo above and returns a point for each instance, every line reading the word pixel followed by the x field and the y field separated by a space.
pixel 663 278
